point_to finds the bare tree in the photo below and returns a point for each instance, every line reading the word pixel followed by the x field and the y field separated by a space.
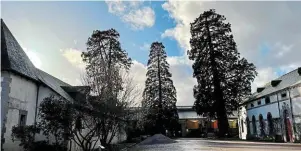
pixel 112 88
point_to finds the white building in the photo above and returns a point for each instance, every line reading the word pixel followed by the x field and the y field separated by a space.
pixel 23 88
pixel 191 122
pixel 274 110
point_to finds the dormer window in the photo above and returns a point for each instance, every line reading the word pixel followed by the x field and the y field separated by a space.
pixel 267 100
pixel 283 95
pixel 252 105
pixel 260 89
pixel 274 83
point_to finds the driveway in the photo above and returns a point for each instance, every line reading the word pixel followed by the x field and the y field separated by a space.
pixel 215 145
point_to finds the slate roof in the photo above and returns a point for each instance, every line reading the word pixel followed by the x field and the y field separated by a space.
pixel 14 59
pixel 288 80
pixel 54 83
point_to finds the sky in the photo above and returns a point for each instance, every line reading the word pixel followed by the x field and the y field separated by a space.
pixel 53 35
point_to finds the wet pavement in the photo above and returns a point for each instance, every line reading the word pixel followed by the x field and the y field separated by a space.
pixel 215 145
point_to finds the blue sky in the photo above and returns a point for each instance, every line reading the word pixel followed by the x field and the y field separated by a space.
pixel 53 34
pixel 75 21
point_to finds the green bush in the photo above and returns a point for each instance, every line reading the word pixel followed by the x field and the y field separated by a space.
pixel 25 134
pixel 252 138
pixel 45 146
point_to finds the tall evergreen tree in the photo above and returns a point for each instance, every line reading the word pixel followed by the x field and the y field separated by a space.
pixel 224 78
pixel 159 96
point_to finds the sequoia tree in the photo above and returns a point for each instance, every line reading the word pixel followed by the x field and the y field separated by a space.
pixel 159 96
pixel 223 77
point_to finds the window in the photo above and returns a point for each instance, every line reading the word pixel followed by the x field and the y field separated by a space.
pixel 242 125
pixel 270 124
pixel 252 105
pixel 248 125
pixel 254 125
pixel 261 125
pixel 22 117
pixel 267 100
pixel 283 95
pixel 259 102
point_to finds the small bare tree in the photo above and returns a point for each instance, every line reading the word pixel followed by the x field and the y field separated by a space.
pixel 113 91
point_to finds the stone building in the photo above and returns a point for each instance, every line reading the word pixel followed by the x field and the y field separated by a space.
pixel 23 88
pixel 274 110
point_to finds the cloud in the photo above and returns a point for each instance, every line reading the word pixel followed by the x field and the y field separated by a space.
pixel 265 75
pixel 34 58
pixel 145 47
pixel 181 76
pixel 252 23
pixel 180 67
pixel 133 13
pixel 140 18
pixel 283 49
pixel 116 7
pixel 74 57
pixel 138 72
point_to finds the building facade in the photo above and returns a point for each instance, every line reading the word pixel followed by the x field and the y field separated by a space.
pixel 23 88
pixel 274 110
pixel 193 125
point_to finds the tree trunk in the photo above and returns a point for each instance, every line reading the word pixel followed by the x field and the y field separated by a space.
pixel 159 123
pixel 223 125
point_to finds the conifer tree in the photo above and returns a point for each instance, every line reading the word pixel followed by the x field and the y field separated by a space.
pixel 223 77
pixel 159 96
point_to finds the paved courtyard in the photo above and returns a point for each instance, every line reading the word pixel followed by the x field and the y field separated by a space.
pixel 214 145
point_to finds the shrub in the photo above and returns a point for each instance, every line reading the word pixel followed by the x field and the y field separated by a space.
pixel 45 146
pixel 25 134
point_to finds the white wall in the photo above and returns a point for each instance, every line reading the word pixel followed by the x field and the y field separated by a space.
pixel 22 96
pixel 44 92
pixel 263 109
pixel 242 115
pixel 296 103
pixel 272 108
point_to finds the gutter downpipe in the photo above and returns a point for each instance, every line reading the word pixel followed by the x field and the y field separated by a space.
pixel 36 109
pixel 279 116
pixel 293 119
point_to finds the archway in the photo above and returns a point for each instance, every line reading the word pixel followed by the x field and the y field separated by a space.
pixel 262 125
pixel 254 125
pixel 287 126
pixel 248 125
pixel 270 123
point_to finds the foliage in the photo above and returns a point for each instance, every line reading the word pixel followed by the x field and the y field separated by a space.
pixel 159 96
pixel 25 134
pixel 95 115
pixel 252 137
pixel 112 89
pixel 224 78
pixel 56 117
pixel 104 59
pixel 45 146
pixel 262 126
